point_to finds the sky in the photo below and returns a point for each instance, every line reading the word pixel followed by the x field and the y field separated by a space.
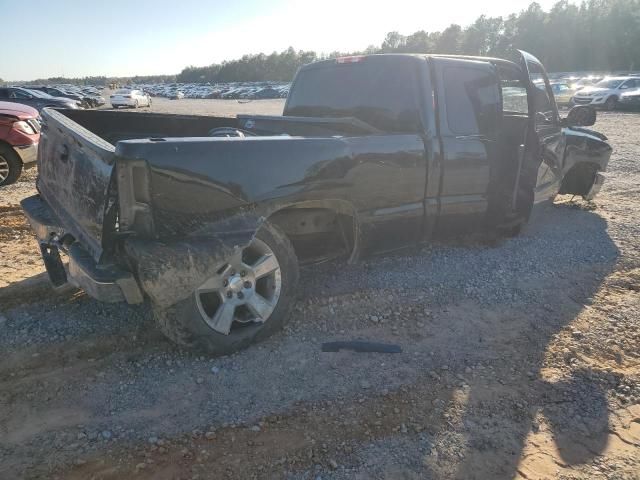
pixel 74 38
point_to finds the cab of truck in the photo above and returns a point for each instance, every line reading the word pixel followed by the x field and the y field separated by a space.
pixel 494 139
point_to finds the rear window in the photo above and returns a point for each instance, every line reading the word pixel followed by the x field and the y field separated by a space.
pixel 380 91
pixel 123 92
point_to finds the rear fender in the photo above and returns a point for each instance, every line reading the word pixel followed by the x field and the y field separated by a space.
pixel 169 271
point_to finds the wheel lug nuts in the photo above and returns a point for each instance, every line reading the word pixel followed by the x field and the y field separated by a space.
pixel 229 294
pixel 240 295
pixel 247 284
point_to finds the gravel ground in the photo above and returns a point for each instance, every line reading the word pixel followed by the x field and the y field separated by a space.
pixel 520 360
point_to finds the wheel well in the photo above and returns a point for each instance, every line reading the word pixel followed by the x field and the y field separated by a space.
pixel 318 232
pixel 579 179
pixel 9 148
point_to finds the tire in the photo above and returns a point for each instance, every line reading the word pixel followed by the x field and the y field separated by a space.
pixel 579 180
pixel 10 166
pixel 184 323
pixel 611 103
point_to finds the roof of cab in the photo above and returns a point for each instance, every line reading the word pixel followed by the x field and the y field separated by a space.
pixel 419 56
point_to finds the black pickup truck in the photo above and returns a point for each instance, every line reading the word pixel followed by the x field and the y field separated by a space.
pixel 207 218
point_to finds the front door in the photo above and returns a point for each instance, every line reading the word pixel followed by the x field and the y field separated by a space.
pixel 546 156
pixel 470 109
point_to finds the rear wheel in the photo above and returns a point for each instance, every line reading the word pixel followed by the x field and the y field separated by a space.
pixel 248 299
pixel 10 166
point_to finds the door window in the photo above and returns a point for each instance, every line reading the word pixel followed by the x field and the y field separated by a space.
pixel 472 100
pixel 543 99
pixel 19 94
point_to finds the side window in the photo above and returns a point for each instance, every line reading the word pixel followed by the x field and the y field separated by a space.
pixel 18 94
pixel 4 93
pixel 514 97
pixel 472 100
pixel 546 113
pixel 628 84
pixel 514 91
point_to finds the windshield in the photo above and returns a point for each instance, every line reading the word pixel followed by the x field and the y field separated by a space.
pixel 608 83
pixel 383 96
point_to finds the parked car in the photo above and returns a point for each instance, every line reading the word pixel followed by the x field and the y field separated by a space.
pixel 241 90
pixel 584 82
pixel 58 92
pixel 130 98
pixel 34 98
pixel 19 138
pixel 176 95
pixel 606 93
pixel 562 92
pixel 96 100
pixel 630 99
pixel 373 153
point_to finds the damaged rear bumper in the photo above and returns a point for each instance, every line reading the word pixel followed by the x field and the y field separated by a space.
pixel 104 282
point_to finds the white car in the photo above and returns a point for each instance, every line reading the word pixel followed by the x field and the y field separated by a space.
pixel 130 98
pixel 606 93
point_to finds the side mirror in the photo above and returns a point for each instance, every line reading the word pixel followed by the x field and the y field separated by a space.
pixel 580 116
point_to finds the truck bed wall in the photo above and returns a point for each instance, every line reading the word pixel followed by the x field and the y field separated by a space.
pixel 116 126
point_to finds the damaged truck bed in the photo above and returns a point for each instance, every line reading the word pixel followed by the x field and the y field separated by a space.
pixel 207 218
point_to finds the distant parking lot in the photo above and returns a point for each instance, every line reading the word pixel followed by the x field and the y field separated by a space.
pixel 193 106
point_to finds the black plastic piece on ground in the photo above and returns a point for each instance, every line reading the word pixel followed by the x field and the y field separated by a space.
pixel 361 346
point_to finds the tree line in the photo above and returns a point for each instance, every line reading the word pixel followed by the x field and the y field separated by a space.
pixel 596 35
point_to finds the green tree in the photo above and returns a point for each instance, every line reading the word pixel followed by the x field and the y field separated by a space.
pixel 393 42
pixel 450 40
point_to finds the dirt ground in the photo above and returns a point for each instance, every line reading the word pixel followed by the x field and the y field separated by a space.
pixel 520 360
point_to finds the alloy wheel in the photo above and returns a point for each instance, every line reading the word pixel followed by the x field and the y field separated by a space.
pixel 244 291
pixel 4 169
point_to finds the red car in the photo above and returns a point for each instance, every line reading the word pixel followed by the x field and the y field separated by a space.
pixel 19 137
